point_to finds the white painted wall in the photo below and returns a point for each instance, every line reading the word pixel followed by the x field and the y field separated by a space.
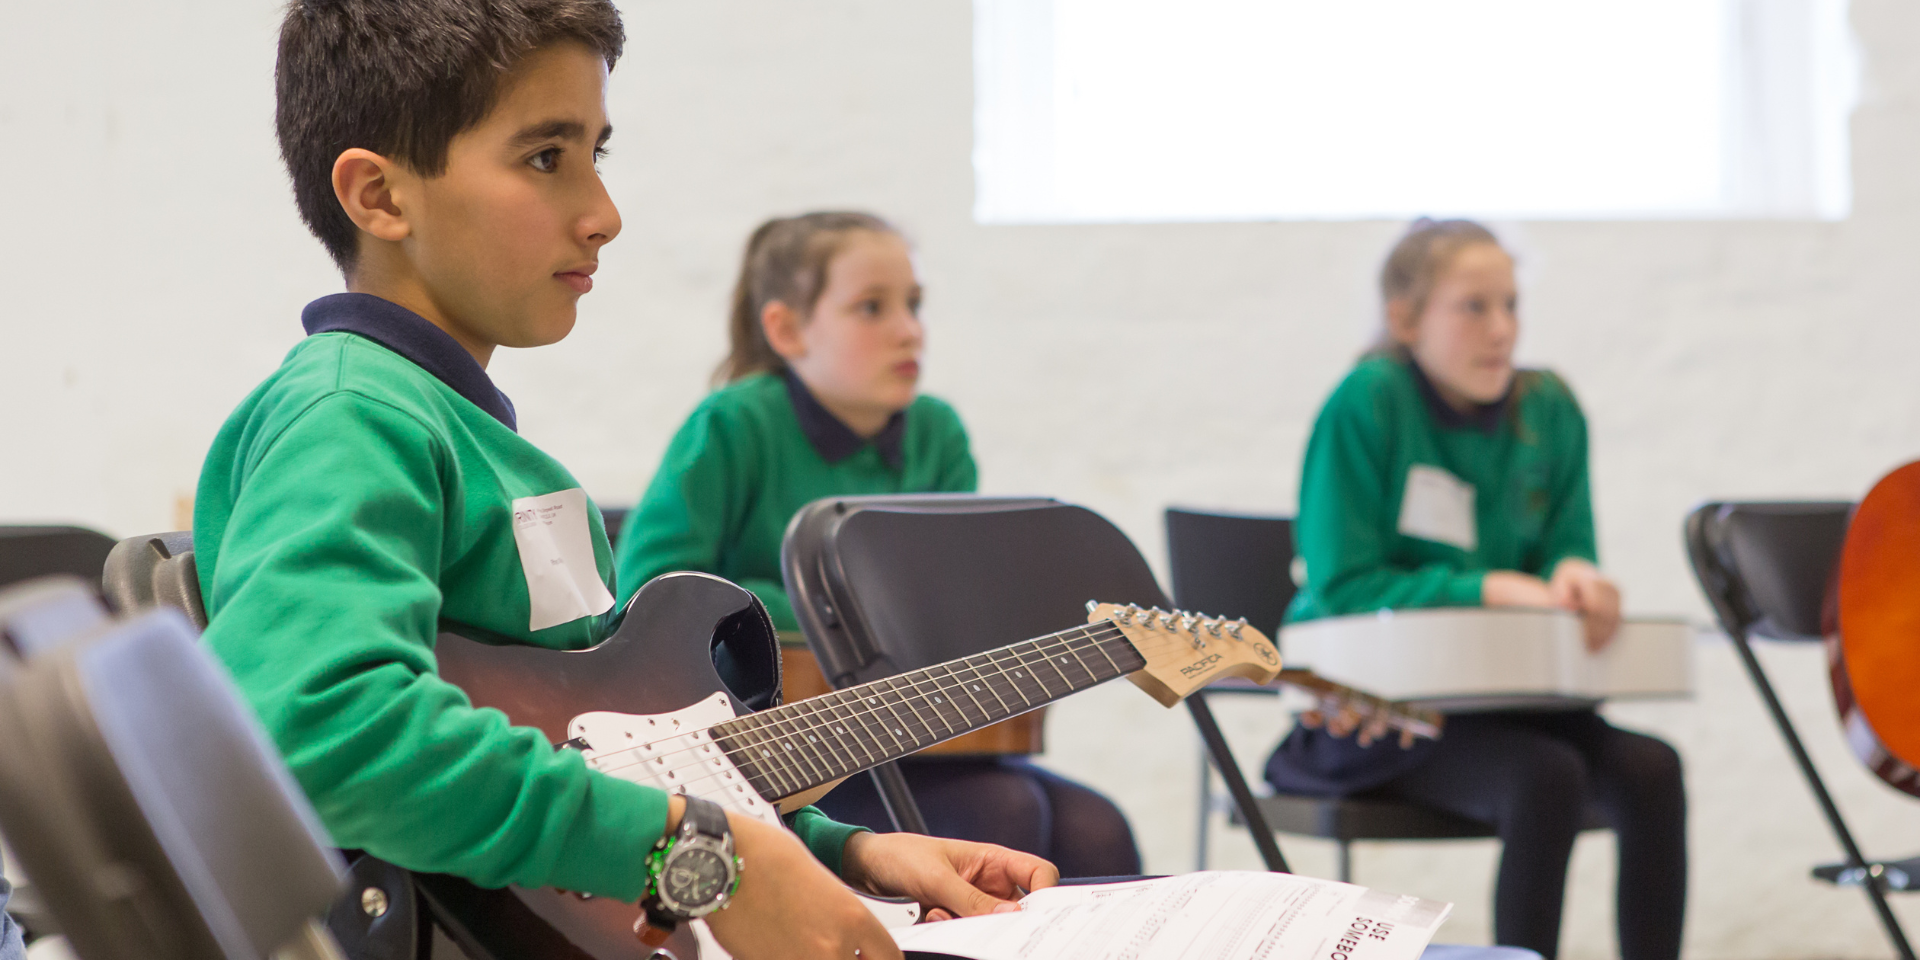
pixel 152 269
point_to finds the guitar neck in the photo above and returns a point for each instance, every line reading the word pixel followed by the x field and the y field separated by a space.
pixel 799 746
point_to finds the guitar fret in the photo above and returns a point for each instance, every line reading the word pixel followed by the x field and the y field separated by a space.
pixel 836 707
pixel 792 748
pixel 808 728
pixel 933 702
pixel 920 739
pixel 952 683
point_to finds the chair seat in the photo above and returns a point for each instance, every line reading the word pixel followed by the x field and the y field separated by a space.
pixel 1362 818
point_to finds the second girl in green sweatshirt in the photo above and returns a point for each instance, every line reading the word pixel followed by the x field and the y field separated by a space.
pixel 820 398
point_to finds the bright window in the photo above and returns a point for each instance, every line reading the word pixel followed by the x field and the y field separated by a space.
pixel 1182 110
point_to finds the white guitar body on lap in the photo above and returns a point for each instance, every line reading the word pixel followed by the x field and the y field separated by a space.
pixel 674 753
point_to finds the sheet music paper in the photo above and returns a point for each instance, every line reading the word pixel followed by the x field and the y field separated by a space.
pixel 1212 915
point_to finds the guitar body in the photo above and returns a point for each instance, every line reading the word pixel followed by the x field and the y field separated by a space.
pixel 658 666
pixel 665 702
pixel 1874 654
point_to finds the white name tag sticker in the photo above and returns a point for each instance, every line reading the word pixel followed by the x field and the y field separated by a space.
pixel 556 553
pixel 1438 506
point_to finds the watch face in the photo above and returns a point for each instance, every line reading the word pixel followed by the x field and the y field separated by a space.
pixel 695 877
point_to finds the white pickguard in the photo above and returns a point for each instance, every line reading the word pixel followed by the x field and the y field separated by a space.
pixel 673 751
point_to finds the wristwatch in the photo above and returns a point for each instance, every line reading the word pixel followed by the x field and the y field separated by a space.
pixel 692 872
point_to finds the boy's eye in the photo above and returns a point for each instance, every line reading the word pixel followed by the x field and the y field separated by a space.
pixel 546 160
pixel 870 308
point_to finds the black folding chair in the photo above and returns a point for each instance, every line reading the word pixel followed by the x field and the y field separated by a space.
pixel 29 551
pixel 1241 566
pixel 887 584
pixel 1766 569
pixel 140 795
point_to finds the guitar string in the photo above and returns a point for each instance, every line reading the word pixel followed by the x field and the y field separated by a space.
pixel 782 765
pixel 789 769
pixel 1008 660
pixel 818 712
pixel 799 784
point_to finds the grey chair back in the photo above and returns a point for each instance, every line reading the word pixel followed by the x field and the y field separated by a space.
pixel 140 794
pixel 155 571
pixel 887 584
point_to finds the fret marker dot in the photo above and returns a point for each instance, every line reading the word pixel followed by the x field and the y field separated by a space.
pixel 938 700
pixel 976 686
pixel 766 753
pixel 839 729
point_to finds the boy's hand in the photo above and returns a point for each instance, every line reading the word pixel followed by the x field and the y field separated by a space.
pixel 1579 586
pixel 789 906
pixel 951 877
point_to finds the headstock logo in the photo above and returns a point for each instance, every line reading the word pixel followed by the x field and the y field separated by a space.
pixel 1201 665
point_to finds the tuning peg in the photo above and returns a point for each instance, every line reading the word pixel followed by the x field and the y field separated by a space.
pixel 1168 620
pixel 1092 605
pixel 1212 625
pixel 1236 626
pixel 1133 613
pixel 1151 620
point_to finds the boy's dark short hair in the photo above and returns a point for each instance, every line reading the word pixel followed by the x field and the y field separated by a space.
pixel 402 78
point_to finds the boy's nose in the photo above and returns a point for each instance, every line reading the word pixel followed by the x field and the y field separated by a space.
pixel 602 221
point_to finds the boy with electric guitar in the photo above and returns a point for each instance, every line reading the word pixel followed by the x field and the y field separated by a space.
pixel 374 490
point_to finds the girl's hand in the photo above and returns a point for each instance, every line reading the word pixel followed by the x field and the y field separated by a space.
pixel 953 878
pixel 1579 586
pixel 1511 588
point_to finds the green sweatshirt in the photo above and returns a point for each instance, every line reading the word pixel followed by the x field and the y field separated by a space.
pixel 750 456
pixel 1523 464
pixel 350 508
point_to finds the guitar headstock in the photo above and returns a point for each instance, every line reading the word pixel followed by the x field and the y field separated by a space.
pixel 1186 651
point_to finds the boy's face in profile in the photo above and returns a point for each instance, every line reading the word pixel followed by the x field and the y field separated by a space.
pixel 505 241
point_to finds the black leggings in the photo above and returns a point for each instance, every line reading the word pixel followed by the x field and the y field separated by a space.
pixel 1005 801
pixel 1532 775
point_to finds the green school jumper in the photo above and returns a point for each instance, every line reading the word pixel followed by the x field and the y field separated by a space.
pixel 359 500
pixel 1524 457
pixel 750 456
pixel 1515 472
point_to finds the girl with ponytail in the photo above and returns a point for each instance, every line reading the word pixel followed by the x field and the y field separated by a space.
pixel 818 397
pixel 1440 475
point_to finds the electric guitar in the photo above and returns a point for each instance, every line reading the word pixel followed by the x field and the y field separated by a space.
pixel 648 705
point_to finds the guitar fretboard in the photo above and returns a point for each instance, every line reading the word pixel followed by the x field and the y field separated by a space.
pixel 792 748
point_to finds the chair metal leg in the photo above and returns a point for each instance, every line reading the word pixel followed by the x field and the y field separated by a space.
pixel 1237 785
pixel 1343 867
pixel 1852 850
pixel 898 799
pixel 1206 814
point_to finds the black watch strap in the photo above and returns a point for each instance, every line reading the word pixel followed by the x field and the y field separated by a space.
pixel 704 817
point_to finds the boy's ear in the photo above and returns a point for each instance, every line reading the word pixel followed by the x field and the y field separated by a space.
pixel 1400 320
pixel 781 324
pixel 364 182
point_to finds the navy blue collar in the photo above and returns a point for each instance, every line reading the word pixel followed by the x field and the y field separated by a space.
pixel 1484 417
pixel 411 336
pixel 833 439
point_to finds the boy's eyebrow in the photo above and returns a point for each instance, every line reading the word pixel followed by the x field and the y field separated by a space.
pixel 557 130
